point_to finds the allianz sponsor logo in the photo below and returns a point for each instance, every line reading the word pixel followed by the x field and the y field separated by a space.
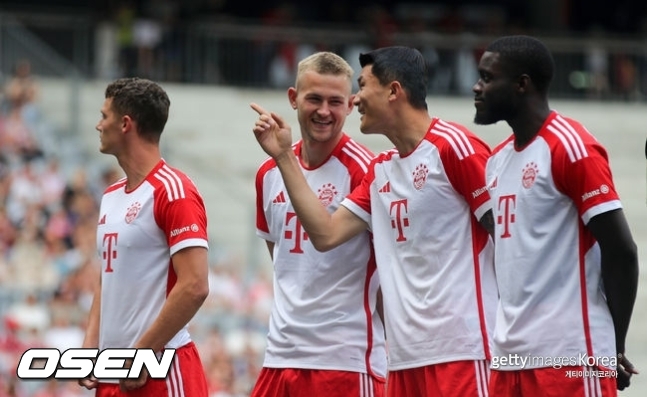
pixel 176 232
pixel 604 189
pixel 479 191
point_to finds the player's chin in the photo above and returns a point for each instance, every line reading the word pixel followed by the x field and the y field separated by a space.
pixel 483 118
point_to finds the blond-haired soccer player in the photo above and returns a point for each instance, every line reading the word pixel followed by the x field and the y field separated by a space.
pixel 325 336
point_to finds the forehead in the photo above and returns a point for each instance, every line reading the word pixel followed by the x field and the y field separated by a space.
pixel 107 105
pixel 491 62
pixel 324 84
pixel 366 74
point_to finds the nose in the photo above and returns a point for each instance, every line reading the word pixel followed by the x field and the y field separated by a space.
pixel 324 109
pixel 477 88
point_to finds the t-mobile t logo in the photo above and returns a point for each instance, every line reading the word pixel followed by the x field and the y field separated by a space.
pixel 110 252
pixel 507 205
pixel 399 219
pixel 297 233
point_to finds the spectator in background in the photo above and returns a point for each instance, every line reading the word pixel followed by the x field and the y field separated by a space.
pixel 21 90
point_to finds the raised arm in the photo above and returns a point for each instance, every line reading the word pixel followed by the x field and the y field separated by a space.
pixel 326 231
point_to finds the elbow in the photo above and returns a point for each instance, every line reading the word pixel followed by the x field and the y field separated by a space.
pixel 198 293
pixel 322 245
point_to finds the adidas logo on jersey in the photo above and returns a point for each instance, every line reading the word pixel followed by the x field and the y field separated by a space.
pixel 280 198
pixel 102 221
pixel 386 188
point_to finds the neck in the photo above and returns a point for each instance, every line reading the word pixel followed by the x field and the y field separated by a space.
pixel 314 153
pixel 528 122
pixel 409 131
pixel 138 164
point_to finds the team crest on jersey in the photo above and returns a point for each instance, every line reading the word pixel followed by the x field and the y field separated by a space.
pixel 132 211
pixel 529 175
pixel 327 194
pixel 420 176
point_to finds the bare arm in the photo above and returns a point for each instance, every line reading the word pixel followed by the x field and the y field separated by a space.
pixel 325 231
pixel 620 277
pixel 182 303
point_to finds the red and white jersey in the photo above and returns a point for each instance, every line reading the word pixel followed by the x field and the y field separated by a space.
pixel 547 262
pixel 433 257
pixel 324 311
pixel 138 232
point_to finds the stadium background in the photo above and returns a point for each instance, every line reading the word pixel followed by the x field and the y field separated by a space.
pixel 215 57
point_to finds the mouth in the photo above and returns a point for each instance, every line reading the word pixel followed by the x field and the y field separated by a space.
pixel 322 123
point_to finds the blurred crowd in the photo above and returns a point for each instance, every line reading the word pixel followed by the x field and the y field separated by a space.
pixel 173 41
pixel 49 267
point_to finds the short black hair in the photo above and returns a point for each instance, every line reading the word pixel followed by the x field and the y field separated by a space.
pixel 525 55
pixel 403 64
pixel 144 101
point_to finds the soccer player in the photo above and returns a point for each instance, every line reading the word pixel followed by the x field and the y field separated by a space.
pixel 325 338
pixel 152 239
pixel 566 263
pixel 423 201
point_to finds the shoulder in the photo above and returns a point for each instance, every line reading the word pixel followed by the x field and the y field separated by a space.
pixel 455 138
pixel 568 137
pixel 353 154
pixel 267 165
pixel 172 183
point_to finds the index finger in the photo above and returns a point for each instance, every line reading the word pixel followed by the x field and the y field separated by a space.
pixel 258 109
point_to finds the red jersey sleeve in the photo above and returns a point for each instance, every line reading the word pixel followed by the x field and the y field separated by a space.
pixel 464 157
pixel 584 174
pixel 261 220
pixel 180 212
pixel 361 194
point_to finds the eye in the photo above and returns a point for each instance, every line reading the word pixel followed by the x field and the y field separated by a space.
pixel 485 77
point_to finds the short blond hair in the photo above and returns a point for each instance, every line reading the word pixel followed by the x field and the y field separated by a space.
pixel 325 62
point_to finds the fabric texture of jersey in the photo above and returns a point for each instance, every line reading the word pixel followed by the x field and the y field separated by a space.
pixel 324 312
pixel 138 232
pixel 548 263
pixel 433 257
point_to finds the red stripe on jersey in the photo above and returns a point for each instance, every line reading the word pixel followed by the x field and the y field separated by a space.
pixel 117 185
pixel 370 270
pixel 479 240
pixel 569 137
pixel 265 167
pixel 456 137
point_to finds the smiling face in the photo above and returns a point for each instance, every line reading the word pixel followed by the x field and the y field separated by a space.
pixel 494 92
pixel 371 100
pixel 322 102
